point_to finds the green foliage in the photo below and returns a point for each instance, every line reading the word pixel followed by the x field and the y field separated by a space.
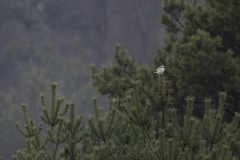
pixel 195 63
pixel 129 130
pixel 120 77
pixel 201 58
pixel 202 49
pixel 125 76
pixel 43 41
pixel 56 135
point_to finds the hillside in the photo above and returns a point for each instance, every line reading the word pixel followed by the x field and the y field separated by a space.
pixel 58 40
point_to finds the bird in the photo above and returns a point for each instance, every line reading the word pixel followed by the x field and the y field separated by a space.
pixel 160 70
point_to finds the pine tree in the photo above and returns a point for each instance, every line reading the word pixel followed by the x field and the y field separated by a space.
pixel 56 135
pixel 143 121
pixel 129 130
pixel 120 80
pixel 202 48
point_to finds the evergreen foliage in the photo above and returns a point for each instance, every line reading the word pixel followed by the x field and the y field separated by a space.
pixel 146 118
pixel 125 76
pixel 43 41
pixel 197 63
pixel 202 49
pixel 44 140
pixel 128 129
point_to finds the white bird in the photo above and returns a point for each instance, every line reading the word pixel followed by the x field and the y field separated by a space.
pixel 160 70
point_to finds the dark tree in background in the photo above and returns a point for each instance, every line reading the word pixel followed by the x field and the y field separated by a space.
pixel 203 48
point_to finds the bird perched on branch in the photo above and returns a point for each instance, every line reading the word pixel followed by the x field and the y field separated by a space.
pixel 160 70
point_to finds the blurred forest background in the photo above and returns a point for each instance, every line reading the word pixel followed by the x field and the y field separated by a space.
pixel 58 40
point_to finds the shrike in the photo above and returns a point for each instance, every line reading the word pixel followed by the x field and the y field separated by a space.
pixel 160 70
